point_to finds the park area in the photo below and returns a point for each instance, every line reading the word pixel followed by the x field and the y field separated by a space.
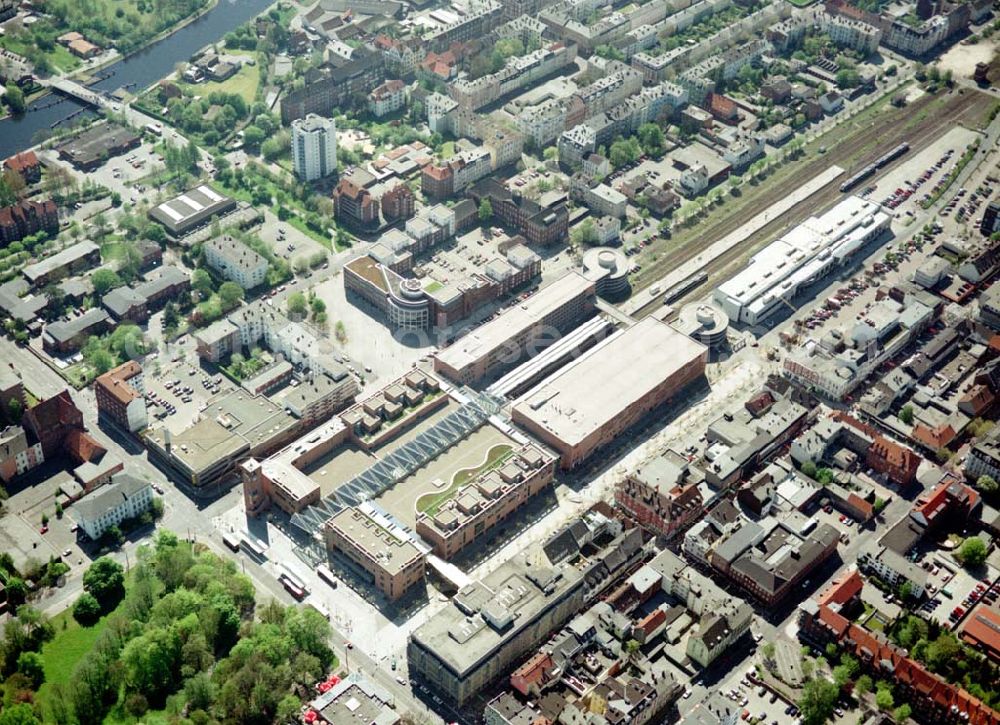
pixel 177 632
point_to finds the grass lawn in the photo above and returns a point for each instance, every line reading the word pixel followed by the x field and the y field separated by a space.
pixel 875 624
pixel 78 375
pixel 431 502
pixel 447 149
pixel 60 58
pixel 244 83
pixel 801 3
pixel 868 609
pixel 69 645
pixel 297 222
pixel 113 252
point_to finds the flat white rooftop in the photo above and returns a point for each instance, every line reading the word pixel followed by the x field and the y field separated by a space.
pixel 608 379
pixel 795 259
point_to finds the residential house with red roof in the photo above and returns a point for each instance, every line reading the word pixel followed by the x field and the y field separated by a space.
pixel 26 164
pixel 51 420
pixel 932 698
pixel 981 630
pixel 26 218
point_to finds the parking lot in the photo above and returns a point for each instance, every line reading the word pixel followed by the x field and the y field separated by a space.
pixel 920 175
pixel 180 392
pixel 120 173
pixel 21 531
pixel 755 702
pixel 287 241
pixel 959 590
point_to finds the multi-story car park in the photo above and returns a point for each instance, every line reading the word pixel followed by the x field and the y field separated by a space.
pixel 523 330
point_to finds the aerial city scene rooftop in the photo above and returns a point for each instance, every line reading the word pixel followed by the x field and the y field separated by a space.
pixel 499 362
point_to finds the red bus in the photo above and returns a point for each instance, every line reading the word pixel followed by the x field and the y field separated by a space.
pixel 295 591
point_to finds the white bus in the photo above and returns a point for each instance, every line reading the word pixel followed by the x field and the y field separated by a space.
pixel 231 541
pixel 326 575
pixel 253 547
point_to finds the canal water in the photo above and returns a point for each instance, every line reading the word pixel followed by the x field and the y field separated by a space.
pixel 136 71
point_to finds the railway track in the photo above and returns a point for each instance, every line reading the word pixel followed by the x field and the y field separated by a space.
pixel 966 108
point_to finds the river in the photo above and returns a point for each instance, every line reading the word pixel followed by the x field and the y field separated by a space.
pixel 136 71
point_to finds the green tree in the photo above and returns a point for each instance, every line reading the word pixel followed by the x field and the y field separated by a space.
pixel 15 409
pixel 17 590
pixel 105 280
pixel 906 414
pixel 905 591
pixel 253 136
pixel 201 281
pixel 551 153
pixel 485 210
pixel 841 676
pixel 972 552
pixel 902 713
pixel 818 699
pixel 651 138
pixel 624 152
pixel 171 317
pixel 113 535
pixel 310 633
pixel 862 685
pixel 942 652
pixel 15 99
pixel 136 705
pixel 809 469
pixel 584 233
pixel 150 662
pixel 230 294
pixel 883 696
pixel 288 709
pixel 609 51
pixel 632 647
pixel 32 666
pixel 199 691
pixel 296 303
pixel 987 484
pixel 848 78
pixel 105 580
pixel 19 714
pixel 86 610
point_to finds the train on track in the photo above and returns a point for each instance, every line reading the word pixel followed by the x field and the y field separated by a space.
pixel 682 288
pixel 870 169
